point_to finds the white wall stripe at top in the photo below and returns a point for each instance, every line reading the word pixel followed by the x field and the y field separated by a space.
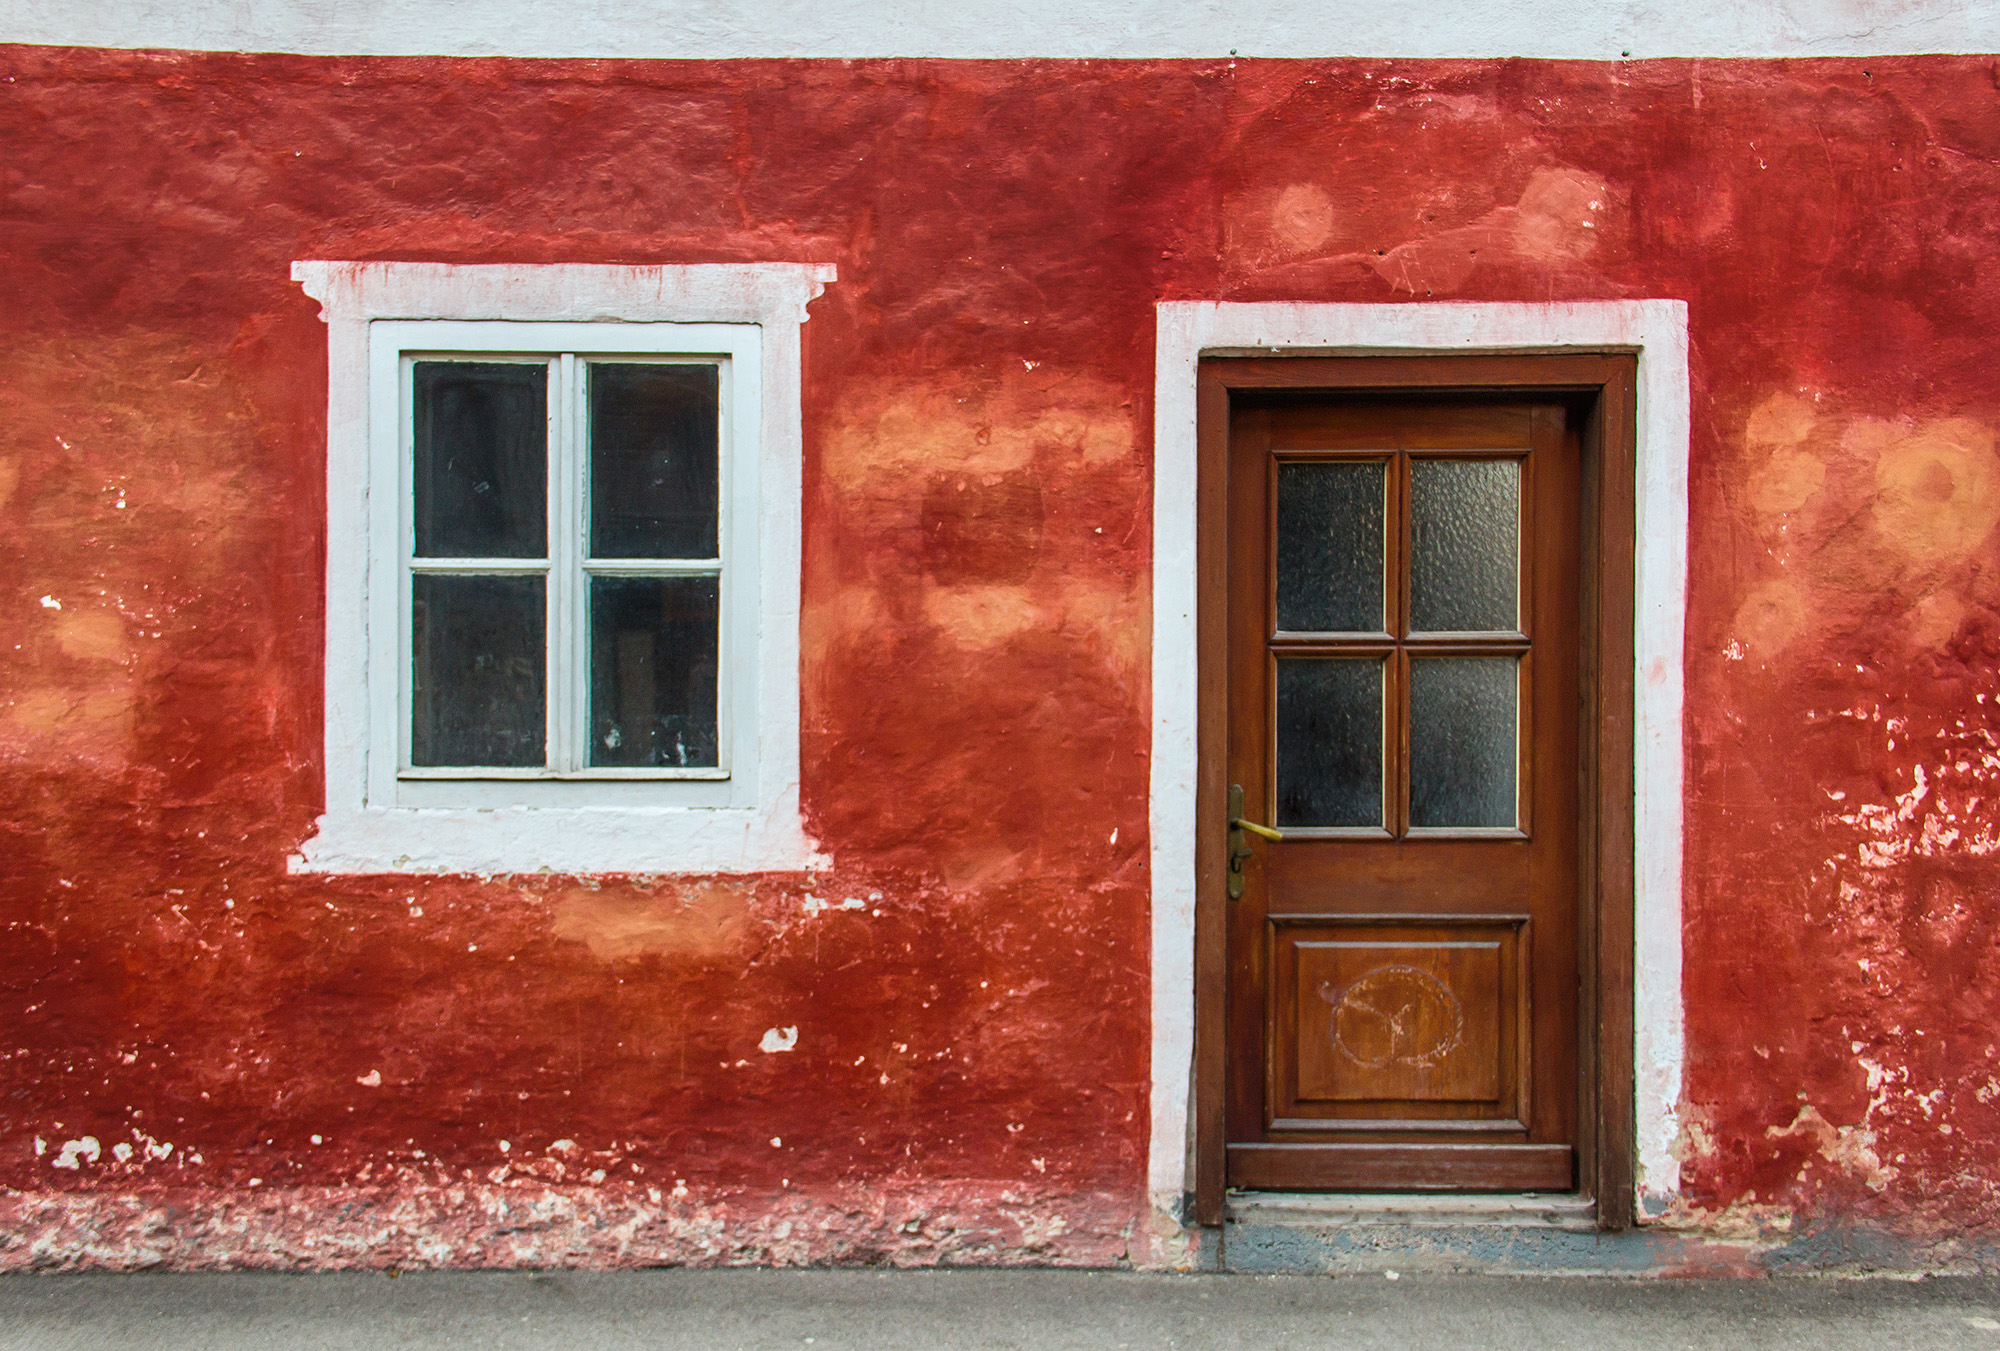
pixel 999 29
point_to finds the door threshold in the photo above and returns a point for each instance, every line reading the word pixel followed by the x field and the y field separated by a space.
pixel 1562 1210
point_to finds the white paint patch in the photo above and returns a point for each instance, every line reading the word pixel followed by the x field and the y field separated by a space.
pixel 1950 826
pixel 1657 329
pixel 779 1039
pixel 74 1150
pixel 722 29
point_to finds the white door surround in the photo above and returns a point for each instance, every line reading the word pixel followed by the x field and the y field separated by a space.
pixel 1656 330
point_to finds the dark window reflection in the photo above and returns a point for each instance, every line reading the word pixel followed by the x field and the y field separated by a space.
pixel 652 671
pixel 1465 545
pixel 1329 743
pixel 480 671
pixel 1464 756
pixel 1330 546
pixel 481 459
pixel 654 432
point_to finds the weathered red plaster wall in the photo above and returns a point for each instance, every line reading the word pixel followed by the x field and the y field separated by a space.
pixel 278 1068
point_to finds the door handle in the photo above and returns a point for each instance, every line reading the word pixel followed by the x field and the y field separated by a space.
pixel 1240 831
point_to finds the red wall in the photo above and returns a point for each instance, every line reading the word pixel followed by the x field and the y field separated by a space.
pixel 971 1075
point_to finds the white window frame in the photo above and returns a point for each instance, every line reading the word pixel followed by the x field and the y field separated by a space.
pixel 384 816
pixel 394 348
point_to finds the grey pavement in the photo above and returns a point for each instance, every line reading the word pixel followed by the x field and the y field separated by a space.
pixel 1043 1310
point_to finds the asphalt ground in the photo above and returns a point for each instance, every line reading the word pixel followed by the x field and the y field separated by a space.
pixel 1042 1310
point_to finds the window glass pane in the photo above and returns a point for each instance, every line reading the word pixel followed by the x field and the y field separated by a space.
pixel 477 693
pixel 1330 544
pixel 652 671
pixel 482 454
pixel 1464 723
pixel 1465 545
pixel 653 454
pixel 1329 743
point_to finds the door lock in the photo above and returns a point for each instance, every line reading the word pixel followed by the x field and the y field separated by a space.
pixel 1240 831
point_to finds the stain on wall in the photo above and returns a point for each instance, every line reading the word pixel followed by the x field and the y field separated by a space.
pixel 937 1049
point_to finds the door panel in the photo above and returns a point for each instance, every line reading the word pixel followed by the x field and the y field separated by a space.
pixel 1403 705
pixel 1376 1020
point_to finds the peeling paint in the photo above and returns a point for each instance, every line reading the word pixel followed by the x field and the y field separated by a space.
pixel 526 1224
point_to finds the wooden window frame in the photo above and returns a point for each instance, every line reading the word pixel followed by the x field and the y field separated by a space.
pixel 1605 381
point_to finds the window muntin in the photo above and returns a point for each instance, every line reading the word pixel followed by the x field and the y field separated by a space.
pixel 566 512
pixel 1398 711
pixel 561 355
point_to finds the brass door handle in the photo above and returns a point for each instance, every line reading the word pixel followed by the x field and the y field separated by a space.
pixel 1240 830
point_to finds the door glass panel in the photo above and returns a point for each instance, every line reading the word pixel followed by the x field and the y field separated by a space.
pixel 1464 726
pixel 1329 751
pixel 1465 545
pixel 481 459
pixel 1330 546
pixel 652 671
pixel 653 456
pixel 477 649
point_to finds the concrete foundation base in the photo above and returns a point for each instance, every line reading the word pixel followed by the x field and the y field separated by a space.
pixel 1538 1235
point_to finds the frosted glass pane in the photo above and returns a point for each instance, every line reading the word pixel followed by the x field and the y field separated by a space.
pixel 481 459
pixel 653 459
pixel 1330 547
pixel 652 671
pixel 1464 726
pixel 479 671
pixel 1329 770
pixel 1465 545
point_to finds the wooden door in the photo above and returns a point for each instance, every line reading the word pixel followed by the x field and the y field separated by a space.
pixel 1402 671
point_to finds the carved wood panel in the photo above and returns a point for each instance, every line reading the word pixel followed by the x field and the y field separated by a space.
pixel 1377 1020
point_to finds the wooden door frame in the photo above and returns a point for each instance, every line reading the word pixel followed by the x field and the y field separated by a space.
pixel 1606 379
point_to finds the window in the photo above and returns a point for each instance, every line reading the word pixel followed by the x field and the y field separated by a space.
pixel 566 567
pixel 565 579
pixel 563 516
pixel 1401 628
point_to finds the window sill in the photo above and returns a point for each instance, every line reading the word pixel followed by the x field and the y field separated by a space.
pixel 568 840
pixel 426 774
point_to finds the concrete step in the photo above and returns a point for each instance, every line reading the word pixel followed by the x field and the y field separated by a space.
pixel 1269 1233
pixel 1561 1211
